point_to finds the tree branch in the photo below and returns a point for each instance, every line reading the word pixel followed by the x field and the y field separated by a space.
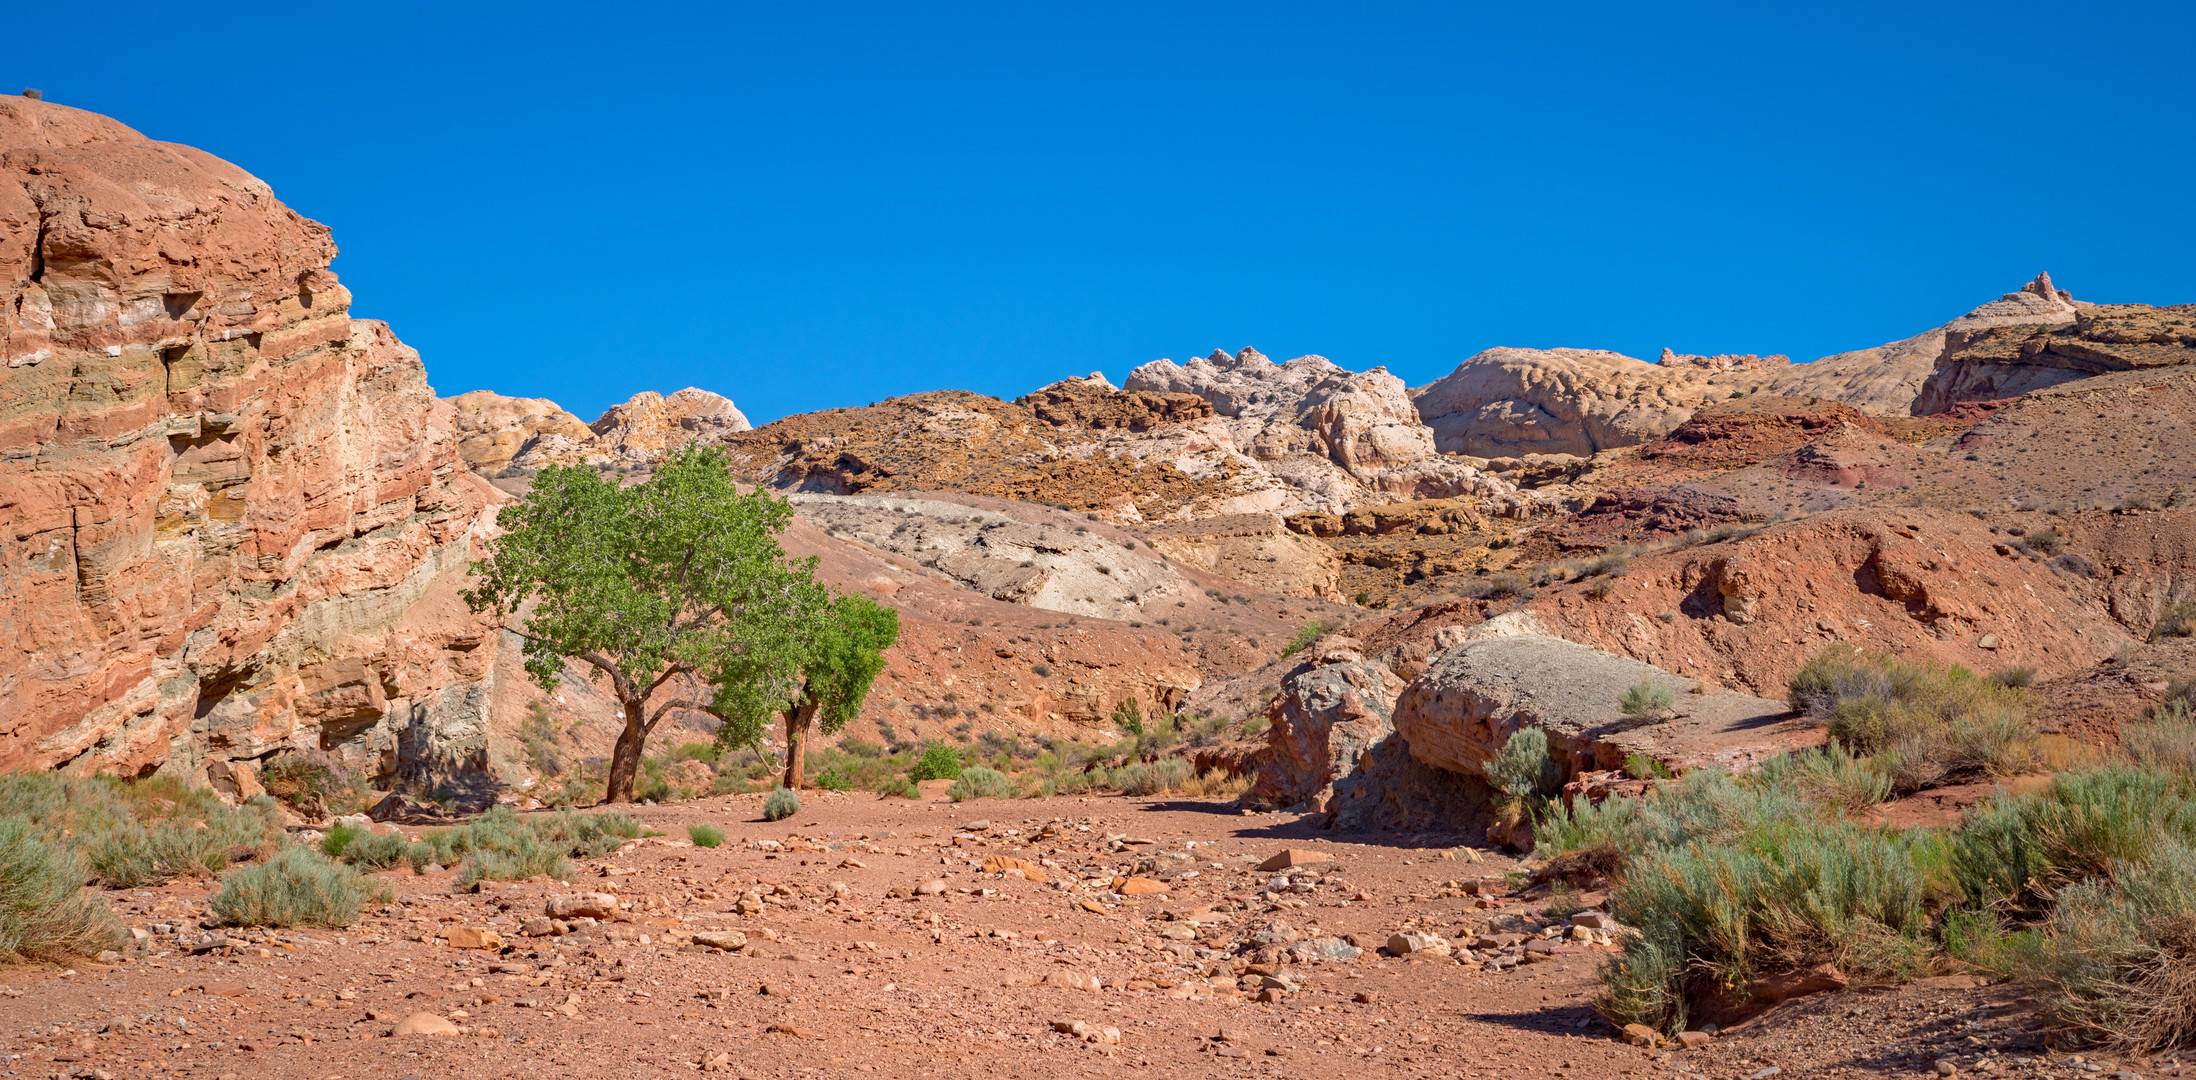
pixel 676 703
pixel 609 667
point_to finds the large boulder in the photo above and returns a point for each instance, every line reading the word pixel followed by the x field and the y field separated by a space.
pixel 1331 711
pixel 1471 698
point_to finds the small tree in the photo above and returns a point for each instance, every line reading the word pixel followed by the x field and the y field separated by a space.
pixel 660 587
pixel 836 653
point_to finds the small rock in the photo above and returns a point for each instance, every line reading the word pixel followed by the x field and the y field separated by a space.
pixel 1293 857
pixel 425 1024
pixel 538 926
pixel 1140 886
pixel 1642 1035
pixel 466 937
pixel 1947 1067
pixel 591 905
pixel 724 940
pixel 1365 997
pixel 1694 1040
pixel 1410 944
pixel 1073 980
pixel 933 887
pixel 777 990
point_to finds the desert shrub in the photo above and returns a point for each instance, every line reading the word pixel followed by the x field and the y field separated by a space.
pixel 705 836
pixel 2166 741
pixel 1497 586
pixel 2017 852
pixel 2012 677
pixel 1611 827
pixel 1645 702
pixel 978 782
pixel 44 912
pixel 860 747
pixel 1639 766
pixel 295 888
pixel 1306 634
pixel 1218 785
pixel 1095 778
pixel 781 804
pixel 1777 897
pixel 527 859
pixel 1977 938
pixel 1830 776
pixel 372 852
pixel 1128 716
pixel 939 762
pixel 2047 540
pixel 140 832
pixel 901 786
pixel 834 778
pixel 314 784
pixel 2178 620
pixel 339 838
pixel 1522 769
pixel 1928 724
pixel 2117 962
pixel 1152 777
pixel 501 846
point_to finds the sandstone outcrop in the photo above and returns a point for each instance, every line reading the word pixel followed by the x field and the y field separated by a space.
pixel 1043 565
pixel 1992 362
pixel 237 519
pixel 493 429
pixel 1256 550
pixel 1506 401
pixel 1470 699
pixel 1341 437
pixel 499 432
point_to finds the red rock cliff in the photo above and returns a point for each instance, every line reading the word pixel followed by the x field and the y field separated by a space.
pixel 235 518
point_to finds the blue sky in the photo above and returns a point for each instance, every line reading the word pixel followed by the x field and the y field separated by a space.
pixel 808 205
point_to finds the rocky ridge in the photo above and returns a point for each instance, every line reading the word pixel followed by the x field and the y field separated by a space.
pixel 499 433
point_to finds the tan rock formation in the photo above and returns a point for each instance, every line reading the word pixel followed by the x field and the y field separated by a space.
pixel 1339 437
pixel 1725 362
pixel 493 429
pixel 1993 362
pixel 236 516
pixel 1256 550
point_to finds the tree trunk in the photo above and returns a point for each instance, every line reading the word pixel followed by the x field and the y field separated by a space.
pixel 798 720
pixel 625 759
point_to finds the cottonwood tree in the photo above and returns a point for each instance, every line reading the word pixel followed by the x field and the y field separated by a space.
pixel 837 653
pixel 675 590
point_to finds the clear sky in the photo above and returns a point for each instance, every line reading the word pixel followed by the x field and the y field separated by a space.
pixel 802 205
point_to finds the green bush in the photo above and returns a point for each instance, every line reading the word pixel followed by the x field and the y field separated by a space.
pixel 781 804
pixel 834 779
pixel 1306 634
pixel 978 782
pixel 1927 724
pixel 705 836
pixel 295 888
pixel 501 846
pixel 1522 769
pixel 1639 766
pixel 2117 964
pixel 338 838
pixel 1127 716
pixel 1152 777
pixel 44 912
pixel 1777 897
pixel 1830 776
pixel 2017 852
pixel 939 762
pixel 903 787
pixel 371 852
pixel 1646 702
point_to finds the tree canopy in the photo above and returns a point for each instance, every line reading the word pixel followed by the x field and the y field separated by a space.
pixel 662 587
pixel 836 652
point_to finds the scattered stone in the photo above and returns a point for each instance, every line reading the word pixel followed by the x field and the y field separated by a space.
pixel 1408 944
pixel 1365 997
pixel 1073 980
pixel 999 864
pixel 1947 1067
pixel 933 887
pixel 1694 1040
pixel 1642 1035
pixel 1293 857
pixel 425 1024
pixel 590 905
pixel 538 926
pixel 1139 886
pixel 466 937
pixel 723 940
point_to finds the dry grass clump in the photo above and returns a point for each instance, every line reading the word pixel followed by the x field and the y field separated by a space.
pixel 295 888
pixel 2117 963
pixel 136 833
pixel 44 912
pixel 1925 724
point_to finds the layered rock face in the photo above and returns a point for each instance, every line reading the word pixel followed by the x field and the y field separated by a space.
pixel 1255 549
pixel 236 517
pixel 1995 362
pixel 1506 401
pixel 499 432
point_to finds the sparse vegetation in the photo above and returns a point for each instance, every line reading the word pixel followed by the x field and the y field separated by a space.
pixel 978 782
pixel 1522 769
pixel 1308 633
pixel 781 804
pixel 1926 724
pixel 295 888
pixel 1646 703
pixel 705 836
pixel 939 762
pixel 45 914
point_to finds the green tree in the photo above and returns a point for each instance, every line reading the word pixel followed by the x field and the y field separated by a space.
pixel 837 653
pixel 664 588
